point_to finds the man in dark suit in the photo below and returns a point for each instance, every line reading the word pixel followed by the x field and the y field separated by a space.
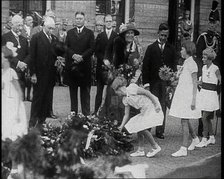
pixel 104 54
pixel 26 31
pixel 19 64
pixel 43 72
pixel 158 54
pixel 80 47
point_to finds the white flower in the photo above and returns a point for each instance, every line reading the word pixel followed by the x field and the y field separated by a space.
pixel 122 27
pixel 10 46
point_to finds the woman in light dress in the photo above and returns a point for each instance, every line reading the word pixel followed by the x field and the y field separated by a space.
pixel 208 96
pixel 14 120
pixel 150 114
pixel 184 100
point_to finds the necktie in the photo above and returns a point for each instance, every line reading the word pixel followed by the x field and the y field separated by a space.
pixel 79 31
pixel 49 37
pixel 161 46
pixel 17 38
pixel 108 34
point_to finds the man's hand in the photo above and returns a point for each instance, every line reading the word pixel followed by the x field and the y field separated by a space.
pixel 21 65
pixel 34 78
pixel 106 63
pixel 77 58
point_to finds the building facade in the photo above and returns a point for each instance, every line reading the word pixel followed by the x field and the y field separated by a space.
pixel 147 14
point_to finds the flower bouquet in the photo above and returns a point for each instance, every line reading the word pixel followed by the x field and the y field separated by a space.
pixel 171 78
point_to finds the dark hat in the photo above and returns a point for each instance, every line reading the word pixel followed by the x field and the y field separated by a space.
pixel 213 16
pixel 126 27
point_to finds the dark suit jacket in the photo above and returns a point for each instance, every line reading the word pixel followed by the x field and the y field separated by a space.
pixel 154 59
pixel 43 58
pixel 119 48
pixel 23 52
pixel 82 44
pixel 104 49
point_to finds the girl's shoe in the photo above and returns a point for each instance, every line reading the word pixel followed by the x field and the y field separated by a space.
pixel 138 153
pixel 180 153
pixel 211 140
pixel 194 142
pixel 203 143
pixel 154 152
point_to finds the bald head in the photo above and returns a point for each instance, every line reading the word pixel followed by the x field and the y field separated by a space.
pixel 49 25
pixel 49 22
pixel 17 19
pixel 17 24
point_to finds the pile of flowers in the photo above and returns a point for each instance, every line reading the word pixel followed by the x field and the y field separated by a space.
pixel 59 151
pixel 127 71
pixel 171 78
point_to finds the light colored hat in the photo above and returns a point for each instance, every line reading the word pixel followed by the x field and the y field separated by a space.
pixel 50 13
pixel 17 19
pixel 126 27
pixel 49 22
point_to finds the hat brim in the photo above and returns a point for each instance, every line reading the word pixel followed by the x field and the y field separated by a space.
pixel 136 32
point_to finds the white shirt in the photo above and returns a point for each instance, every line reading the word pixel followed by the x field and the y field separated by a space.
pixel 108 32
pixel 27 29
pixel 79 30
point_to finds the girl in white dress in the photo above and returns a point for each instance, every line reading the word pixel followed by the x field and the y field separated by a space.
pixel 208 96
pixel 150 114
pixel 14 120
pixel 184 100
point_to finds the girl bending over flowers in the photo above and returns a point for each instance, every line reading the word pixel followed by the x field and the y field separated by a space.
pixel 150 114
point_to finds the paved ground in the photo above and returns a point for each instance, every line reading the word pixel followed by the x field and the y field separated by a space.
pixel 162 164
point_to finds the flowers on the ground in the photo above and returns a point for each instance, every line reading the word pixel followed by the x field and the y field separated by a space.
pixel 57 151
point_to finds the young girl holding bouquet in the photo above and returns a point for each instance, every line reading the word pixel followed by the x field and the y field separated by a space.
pixel 14 120
pixel 150 114
pixel 184 100
pixel 208 97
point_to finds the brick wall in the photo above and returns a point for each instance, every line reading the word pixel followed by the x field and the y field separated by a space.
pixel 67 9
pixel 5 12
pixel 148 15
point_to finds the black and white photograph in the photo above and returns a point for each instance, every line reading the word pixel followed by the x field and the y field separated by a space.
pixel 111 89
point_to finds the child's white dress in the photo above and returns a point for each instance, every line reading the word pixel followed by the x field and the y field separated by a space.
pixel 208 99
pixel 182 99
pixel 13 124
pixel 147 117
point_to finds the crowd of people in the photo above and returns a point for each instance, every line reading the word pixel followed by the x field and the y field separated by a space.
pixel 34 56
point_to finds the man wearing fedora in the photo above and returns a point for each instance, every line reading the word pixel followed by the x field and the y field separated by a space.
pixel 210 38
pixel 157 55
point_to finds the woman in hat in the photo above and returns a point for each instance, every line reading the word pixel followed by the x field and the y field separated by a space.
pixel 126 51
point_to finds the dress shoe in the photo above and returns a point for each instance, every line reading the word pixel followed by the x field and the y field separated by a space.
pixel 211 140
pixel 154 152
pixel 203 143
pixel 194 142
pixel 160 136
pixel 180 153
pixel 138 153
